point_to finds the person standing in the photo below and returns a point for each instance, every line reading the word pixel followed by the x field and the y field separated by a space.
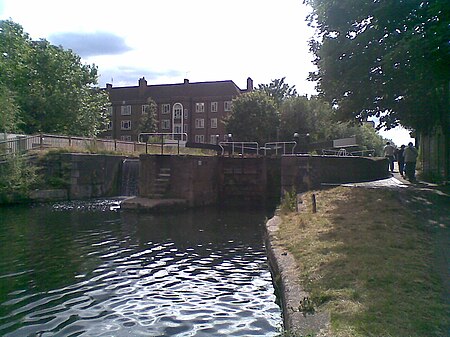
pixel 388 151
pixel 401 160
pixel 410 155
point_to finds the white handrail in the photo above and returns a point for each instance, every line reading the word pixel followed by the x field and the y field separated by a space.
pixel 242 146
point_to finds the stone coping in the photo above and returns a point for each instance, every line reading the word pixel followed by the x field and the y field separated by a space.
pixel 285 274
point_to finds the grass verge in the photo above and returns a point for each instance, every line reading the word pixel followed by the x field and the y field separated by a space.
pixel 367 260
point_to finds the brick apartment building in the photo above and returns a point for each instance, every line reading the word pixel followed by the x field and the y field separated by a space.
pixel 197 109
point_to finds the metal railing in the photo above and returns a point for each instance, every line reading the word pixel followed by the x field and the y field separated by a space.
pixel 23 144
pixel 279 148
pixel 239 148
pixel 162 140
pixel 345 153
pixel 19 144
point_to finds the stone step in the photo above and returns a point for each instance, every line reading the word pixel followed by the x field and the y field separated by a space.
pixel 156 196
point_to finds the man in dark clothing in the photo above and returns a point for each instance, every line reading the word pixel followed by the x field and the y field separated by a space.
pixel 410 154
pixel 401 160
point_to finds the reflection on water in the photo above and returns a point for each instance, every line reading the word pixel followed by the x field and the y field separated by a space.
pixel 84 269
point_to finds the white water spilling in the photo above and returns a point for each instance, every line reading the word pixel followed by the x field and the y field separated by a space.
pixel 130 177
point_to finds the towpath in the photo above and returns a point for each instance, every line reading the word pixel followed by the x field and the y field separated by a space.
pixel 429 202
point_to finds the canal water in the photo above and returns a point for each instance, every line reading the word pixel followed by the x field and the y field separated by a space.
pixel 88 269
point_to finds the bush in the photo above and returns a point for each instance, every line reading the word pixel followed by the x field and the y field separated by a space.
pixel 17 178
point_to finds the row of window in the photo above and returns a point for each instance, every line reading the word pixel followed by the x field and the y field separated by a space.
pixel 125 110
pixel 165 124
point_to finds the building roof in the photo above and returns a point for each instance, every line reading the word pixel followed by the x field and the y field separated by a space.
pixel 163 92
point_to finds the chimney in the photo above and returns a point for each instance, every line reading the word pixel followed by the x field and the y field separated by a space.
pixel 249 84
pixel 186 81
pixel 142 82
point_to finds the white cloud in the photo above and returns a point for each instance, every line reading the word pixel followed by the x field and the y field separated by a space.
pixel 201 39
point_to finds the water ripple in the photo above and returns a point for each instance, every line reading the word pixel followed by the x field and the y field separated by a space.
pixel 125 278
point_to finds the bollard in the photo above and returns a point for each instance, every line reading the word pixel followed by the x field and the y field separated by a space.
pixel 313 201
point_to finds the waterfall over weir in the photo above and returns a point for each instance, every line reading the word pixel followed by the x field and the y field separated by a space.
pixel 130 177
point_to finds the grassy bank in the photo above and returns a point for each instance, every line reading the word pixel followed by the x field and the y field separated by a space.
pixel 367 260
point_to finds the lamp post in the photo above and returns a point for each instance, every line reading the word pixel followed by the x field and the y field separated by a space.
pixel 302 141
pixel 230 146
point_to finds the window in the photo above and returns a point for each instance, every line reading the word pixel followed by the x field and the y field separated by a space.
pixel 199 123
pixel 213 123
pixel 177 109
pixel 125 125
pixel 177 113
pixel 199 138
pixel 165 124
pixel 227 105
pixel 110 125
pixel 145 108
pixel 125 110
pixel 109 111
pixel 185 113
pixel 186 128
pixel 125 138
pixel 165 108
pixel 177 128
pixel 213 106
pixel 199 107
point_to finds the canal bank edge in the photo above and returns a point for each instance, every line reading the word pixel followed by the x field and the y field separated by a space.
pixel 285 275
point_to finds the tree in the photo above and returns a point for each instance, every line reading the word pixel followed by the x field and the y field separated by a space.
pixel 305 115
pixel 148 121
pixel 9 118
pixel 254 118
pixel 387 59
pixel 55 92
pixel 315 117
pixel 278 90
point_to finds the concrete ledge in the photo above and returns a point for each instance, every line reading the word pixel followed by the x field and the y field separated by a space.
pixel 49 195
pixel 285 273
pixel 154 205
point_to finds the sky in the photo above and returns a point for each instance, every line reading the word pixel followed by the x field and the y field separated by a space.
pixel 166 41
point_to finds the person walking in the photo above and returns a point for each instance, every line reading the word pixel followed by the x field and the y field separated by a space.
pixel 410 155
pixel 401 160
pixel 388 151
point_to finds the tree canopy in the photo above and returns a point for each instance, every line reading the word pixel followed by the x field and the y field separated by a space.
pixel 278 90
pixel 148 121
pixel 313 116
pixel 388 59
pixel 257 117
pixel 52 90
pixel 254 118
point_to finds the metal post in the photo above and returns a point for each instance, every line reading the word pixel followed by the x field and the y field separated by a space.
pixel 314 205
